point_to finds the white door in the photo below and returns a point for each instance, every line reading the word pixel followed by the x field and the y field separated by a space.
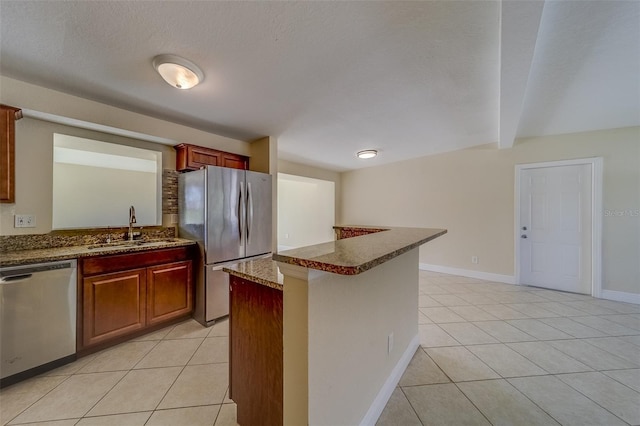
pixel 555 227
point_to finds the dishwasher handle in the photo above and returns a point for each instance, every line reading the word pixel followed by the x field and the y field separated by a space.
pixel 31 269
pixel 15 278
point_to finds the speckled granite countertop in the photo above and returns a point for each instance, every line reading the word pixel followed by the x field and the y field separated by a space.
pixel 25 257
pixel 352 256
pixel 262 271
pixel 364 227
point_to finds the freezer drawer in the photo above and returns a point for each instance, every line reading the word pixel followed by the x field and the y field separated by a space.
pixel 38 315
pixel 217 292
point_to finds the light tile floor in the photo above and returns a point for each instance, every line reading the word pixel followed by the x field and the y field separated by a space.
pixel 175 376
pixel 499 354
pixel 490 353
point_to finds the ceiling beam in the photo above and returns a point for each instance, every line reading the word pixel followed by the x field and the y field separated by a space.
pixel 519 24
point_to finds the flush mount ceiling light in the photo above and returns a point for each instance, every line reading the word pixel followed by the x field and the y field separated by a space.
pixel 178 72
pixel 369 153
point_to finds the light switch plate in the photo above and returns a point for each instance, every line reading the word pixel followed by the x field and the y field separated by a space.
pixel 25 221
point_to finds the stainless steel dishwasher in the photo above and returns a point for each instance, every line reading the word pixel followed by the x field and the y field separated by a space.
pixel 38 318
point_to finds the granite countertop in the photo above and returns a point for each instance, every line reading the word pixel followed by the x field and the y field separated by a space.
pixel 363 227
pixel 25 257
pixel 352 256
pixel 263 271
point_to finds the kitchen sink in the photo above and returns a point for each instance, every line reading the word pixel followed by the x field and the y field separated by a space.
pixel 125 244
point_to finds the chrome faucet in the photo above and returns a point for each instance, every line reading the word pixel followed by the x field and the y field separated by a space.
pixel 132 220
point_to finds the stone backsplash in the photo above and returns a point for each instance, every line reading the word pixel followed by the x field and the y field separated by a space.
pixel 169 191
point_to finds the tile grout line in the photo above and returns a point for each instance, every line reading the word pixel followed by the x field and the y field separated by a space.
pixel 34 402
pixel 586 396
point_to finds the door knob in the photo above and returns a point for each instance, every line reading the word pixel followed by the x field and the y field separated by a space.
pixel 524 228
pixel 523 236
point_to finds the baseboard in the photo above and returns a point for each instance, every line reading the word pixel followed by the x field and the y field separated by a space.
pixel 381 400
pixel 507 279
pixel 621 296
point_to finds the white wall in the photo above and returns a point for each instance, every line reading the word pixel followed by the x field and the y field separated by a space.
pixel 471 193
pixel 306 211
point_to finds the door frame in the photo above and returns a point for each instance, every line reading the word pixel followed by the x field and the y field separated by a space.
pixel 596 164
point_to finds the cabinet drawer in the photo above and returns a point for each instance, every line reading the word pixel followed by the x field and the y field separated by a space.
pixel 120 262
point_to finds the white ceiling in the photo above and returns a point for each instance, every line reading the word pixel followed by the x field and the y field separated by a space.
pixel 331 78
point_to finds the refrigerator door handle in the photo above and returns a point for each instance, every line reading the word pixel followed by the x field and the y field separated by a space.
pixel 240 212
pixel 249 210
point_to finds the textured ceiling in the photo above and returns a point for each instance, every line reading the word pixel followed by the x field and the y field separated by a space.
pixel 331 78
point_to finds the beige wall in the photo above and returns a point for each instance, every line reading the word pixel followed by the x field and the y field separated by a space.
pixel 298 169
pixel 34 145
pixel 471 193
pixel 336 333
pixel 264 159
pixel 23 95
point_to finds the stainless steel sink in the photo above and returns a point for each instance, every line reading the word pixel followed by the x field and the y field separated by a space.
pixel 126 244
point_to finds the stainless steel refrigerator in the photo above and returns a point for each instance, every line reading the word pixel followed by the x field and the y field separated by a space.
pixel 228 212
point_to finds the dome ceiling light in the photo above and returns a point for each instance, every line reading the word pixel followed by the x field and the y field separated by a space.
pixel 178 72
pixel 368 153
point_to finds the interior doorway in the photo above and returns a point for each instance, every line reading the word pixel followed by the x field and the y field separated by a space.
pixel 306 211
pixel 558 225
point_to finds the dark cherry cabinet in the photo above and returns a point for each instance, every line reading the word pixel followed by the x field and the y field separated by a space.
pixel 113 305
pixel 255 352
pixel 192 157
pixel 123 295
pixel 8 117
pixel 169 292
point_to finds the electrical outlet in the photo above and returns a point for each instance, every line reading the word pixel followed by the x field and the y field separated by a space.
pixel 474 259
pixel 390 343
pixel 24 221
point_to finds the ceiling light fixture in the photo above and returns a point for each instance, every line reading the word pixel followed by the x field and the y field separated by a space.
pixel 369 153
pixel 178 72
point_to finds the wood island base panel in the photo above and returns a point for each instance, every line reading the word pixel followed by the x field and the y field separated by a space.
pixel 312 328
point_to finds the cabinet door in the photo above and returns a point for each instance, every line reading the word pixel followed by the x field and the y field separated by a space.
pixel 193 157
pixel 234 161
pixel 114 305
pixel 169 291
pixel 8 116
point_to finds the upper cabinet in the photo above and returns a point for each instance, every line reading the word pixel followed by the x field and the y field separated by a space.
pixel 8 117
pixel 192 157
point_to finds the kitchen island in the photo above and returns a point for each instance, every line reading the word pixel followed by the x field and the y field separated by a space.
pixel 327 340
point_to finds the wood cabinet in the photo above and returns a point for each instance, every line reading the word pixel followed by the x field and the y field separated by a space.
pixel 192 157
pixel 255 352
pixel 124 295
pixel 8 117
pixel 113 305
pixel 167 295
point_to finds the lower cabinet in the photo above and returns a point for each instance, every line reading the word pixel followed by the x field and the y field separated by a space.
pixel 118 301
pixel 167 296
pixel 113 305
